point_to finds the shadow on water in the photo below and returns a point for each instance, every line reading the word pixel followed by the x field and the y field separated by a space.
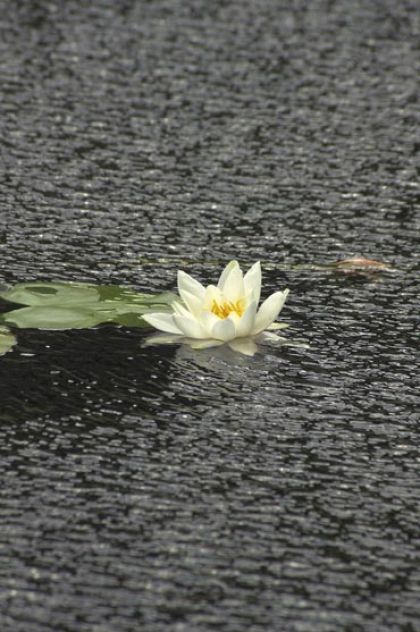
pixel 87 375
pixel 80 374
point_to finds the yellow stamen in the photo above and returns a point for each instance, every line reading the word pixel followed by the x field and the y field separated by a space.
pixel 222 310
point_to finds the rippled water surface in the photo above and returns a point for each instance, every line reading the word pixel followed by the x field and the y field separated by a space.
pixel 161 488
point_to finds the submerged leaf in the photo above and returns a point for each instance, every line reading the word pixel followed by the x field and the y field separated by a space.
pixel 129 318
pixel 7 340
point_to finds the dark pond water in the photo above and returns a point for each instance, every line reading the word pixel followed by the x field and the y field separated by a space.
pixel 165 489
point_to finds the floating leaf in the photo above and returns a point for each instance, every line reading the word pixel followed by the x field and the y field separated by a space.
pixel 51 293
pixel 127 296
pixel 79 305
pixel 7 340
pixel 129 318
pixel 52 317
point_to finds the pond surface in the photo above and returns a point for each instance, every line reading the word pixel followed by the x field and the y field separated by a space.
pixel 161 488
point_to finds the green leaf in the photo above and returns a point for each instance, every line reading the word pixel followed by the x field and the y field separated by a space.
pixel 130 297
pixel 52 317
pixel 129 319
pixel 7 340
pixel 51 293
pixel 79 305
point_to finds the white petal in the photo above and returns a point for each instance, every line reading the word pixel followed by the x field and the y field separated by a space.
pixel 212 293
pixel 162 321
pixel 269 311
pixel 230 266
pixel 193 303
pixel 244 345
pixel 233 286
pixel 224 330
pixel 269 336
pixel 187 284
pixel 245 325
pixel 208 321
pixel 180 310
pixel 252 282
pixel 190 327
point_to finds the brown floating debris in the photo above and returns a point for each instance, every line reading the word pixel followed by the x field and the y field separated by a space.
pixel 359 264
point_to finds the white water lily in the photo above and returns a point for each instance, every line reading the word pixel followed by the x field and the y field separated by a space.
pixel 212 315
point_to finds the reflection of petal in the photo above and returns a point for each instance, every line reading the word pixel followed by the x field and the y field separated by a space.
pixel 246 346
pixel 194 343
pixel 219 357
pixel 163 339
pixel 268 336
pixel 202 344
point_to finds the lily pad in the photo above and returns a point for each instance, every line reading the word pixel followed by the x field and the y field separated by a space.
pixel 51 293
pixel 79 305
pixel 7 340
pixel 52 317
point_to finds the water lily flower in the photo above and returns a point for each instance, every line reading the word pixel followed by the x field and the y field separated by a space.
pixel 226 313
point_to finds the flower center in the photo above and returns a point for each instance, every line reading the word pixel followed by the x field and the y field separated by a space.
pixel 222 310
